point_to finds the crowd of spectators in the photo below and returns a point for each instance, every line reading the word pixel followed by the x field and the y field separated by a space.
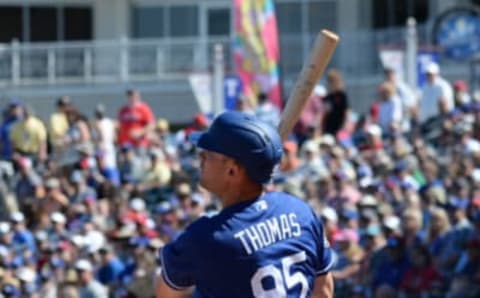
pixel 88 201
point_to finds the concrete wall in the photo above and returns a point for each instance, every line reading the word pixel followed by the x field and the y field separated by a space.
pixel 111 19
pixel 172 100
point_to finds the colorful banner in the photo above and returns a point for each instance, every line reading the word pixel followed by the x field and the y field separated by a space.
pixel 256 49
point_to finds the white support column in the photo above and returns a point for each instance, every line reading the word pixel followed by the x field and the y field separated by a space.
pixel 15 71
pixel 218 74
pixel 124 60
pixel 51 65
pixel 111 19
pixel 87 64
pixel 411 53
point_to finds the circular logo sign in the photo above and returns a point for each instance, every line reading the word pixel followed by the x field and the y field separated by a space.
pixel 457 33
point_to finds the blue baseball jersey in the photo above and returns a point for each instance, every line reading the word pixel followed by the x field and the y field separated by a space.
pixel 273 246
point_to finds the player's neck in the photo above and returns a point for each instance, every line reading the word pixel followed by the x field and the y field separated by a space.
pixel 239 195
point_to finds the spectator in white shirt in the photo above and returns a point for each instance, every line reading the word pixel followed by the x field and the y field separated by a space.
pixel 266 111
pixel 437 94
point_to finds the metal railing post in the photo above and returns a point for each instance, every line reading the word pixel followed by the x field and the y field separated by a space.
pixel 87 64
pixel 218 75
pixel 51 65
pixel 160 59
pixel 15 71
pixel 124 69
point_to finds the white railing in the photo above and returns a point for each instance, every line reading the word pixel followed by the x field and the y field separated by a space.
pixel 170 58
pixel 103 61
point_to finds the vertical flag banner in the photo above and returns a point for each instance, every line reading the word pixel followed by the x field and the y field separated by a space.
pixel 255 50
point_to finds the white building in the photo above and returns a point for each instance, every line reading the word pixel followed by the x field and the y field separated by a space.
pixel 155 44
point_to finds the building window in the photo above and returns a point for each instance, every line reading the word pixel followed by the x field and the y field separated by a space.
pixel 149 22
pixel 78 23
pixel 43 23
pixel 289 18
pixel 218 21
pixel 322 15
pixel 11 23
pixel 183 21
pixel 392 13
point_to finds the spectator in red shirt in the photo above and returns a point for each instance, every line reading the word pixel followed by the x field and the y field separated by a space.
pixel 422 276
pixel 136 121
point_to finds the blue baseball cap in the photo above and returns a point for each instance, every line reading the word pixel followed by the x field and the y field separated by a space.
pixel 253 143
pixel 164 207
pixel 9 290
pixel 350 214
pixel 458 203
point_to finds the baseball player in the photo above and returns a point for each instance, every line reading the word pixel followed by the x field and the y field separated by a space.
pixel 262 244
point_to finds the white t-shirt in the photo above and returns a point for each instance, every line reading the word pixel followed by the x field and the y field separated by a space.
pixel 390 111
pixel 431 93
pixel 107 144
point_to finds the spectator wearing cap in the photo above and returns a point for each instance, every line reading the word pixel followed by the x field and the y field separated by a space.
pixel 82 192
pixel 461 95
pixel 131 166
pixel 162 136
pixel 137 211
pixel 348 264
pixel 350 218
pixel 105 129
pixel 58 124
pixel 312 166
pixel 89 286
pixel 47 285
pixel 22 237
pixel 28 184
pixel 136 121
pixel 27 278
pixel 373 142
pixel 393 268
pixel 184 198
pixel 158 175
pixel 12 115
pixel 375 252
pixel 58 229
pixel 5 236
pixel 266 110
pixel 29 137
pixel 10 291
pixel 437 94
pixel 167 220
pixel 111 269
pixel 54 201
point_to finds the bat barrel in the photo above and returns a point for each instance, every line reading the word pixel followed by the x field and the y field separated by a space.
pixel 323 49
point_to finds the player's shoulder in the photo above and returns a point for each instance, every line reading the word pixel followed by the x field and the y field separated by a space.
pixel 284 201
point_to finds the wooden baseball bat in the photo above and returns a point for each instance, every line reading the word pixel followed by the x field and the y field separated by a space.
pixel 312 70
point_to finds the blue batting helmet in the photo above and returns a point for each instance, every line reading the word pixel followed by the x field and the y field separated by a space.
pixel 254 144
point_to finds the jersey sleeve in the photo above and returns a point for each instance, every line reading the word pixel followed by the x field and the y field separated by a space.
pixel 325 255
pixel 148 116
pixel 176 260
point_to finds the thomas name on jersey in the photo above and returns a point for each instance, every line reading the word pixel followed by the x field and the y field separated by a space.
pixel 269 231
